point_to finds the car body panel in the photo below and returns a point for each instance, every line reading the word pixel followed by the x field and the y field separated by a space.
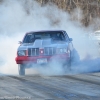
pixel 39 46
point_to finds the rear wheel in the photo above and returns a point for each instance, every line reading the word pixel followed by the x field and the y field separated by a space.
pixel 21 69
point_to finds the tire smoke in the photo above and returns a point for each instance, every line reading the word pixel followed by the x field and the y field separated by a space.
pixel 18 17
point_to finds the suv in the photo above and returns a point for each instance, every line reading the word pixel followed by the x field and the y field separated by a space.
pixel 41 47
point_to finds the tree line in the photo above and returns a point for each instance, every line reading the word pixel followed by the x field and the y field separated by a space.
pixel 90 9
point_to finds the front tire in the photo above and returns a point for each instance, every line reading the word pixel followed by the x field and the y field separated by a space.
pixel 21 69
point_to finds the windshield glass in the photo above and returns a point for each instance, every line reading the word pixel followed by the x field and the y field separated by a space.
pixel 56 35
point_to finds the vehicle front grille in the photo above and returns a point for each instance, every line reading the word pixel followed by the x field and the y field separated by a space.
pixel 49 51
pixel 33 52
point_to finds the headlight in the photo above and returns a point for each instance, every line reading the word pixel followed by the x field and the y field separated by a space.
pixel 21 53
pixel 61 50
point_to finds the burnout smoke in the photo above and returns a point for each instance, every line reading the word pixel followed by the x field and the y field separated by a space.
pixel 18 17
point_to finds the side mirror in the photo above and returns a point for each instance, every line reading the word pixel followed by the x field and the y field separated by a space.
pixel 19 42
pixel 70 39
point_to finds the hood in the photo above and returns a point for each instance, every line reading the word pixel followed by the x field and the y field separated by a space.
pixel 41 43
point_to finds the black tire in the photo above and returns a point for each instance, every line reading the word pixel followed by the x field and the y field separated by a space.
pixel 75 58
pixel 21 69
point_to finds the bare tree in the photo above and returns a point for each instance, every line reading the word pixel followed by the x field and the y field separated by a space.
pixel 90 8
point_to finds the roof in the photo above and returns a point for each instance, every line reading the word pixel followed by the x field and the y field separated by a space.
pixel 46 31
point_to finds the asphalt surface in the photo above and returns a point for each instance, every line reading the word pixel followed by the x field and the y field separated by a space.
pixel 35 87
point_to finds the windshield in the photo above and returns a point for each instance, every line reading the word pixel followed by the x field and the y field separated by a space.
pixel 56 35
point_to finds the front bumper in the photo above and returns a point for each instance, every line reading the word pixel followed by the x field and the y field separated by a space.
pixel 31 59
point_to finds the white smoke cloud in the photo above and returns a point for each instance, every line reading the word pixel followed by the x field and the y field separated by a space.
pixel 18 17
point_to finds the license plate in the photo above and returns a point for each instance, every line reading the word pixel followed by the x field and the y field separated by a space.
pixel 41 61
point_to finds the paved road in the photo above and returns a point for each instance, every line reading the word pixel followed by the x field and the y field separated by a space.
pixel 68 87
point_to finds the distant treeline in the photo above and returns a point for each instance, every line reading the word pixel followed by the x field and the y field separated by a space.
pixel 90 8
pixel 85 11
